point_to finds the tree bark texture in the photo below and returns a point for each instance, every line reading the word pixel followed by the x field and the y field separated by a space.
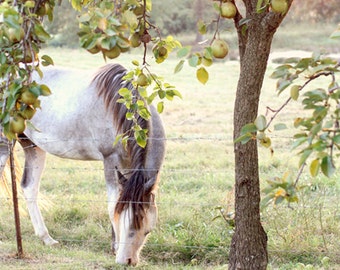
pixel 249 242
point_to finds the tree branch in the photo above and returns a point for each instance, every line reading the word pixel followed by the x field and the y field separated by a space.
pixel 310 79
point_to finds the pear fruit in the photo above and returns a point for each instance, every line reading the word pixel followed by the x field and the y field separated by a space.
pixel 228 10
pixel 279 6
pixel 219 48
pixel 142 80
pixel 17 124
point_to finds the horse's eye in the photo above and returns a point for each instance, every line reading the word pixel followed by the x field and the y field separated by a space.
pixel 131 234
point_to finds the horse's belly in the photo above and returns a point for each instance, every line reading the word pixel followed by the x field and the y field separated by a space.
pixel 81 150
pixel 65 145
pixel 72 152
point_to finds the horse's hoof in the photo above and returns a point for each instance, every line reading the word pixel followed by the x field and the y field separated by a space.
pixel 54 243
pixel 49 241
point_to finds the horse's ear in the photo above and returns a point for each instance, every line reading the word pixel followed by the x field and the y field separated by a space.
pixel 121 178
pixel 149 185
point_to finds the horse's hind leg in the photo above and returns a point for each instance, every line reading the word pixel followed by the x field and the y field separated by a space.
pixel 34 166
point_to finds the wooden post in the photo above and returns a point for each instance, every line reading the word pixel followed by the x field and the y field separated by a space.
pixel 20 253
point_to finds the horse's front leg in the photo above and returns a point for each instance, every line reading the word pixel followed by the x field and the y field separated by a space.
pixel 112 192
pixel 112 186
pixel 34 166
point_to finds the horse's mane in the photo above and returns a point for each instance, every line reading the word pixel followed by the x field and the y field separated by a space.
pixel 108 81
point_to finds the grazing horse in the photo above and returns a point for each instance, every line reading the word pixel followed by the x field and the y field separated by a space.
pixel 80 120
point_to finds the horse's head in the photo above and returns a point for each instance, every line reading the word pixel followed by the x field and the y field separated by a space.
pixel 135 217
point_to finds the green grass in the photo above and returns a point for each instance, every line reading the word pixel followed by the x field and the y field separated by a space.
pixel 196 184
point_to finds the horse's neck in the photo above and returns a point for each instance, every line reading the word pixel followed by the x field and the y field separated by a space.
pixel 155 145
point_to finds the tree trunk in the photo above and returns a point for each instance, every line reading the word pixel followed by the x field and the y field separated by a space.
pixel 249 243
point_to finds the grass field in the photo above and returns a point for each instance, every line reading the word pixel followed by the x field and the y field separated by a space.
pixel 196 189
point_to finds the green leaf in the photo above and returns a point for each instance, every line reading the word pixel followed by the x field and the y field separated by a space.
pixel 40 73
pixel 316 128
pixel 141 138
pixel 76 4
pixel 3 58
pixel 160 107
pixel 152 97
pixel 243 139
pixel 280 126
pixel 135 62
pixel 280 72
pixel 129 115
pixel 327 166
pixel 278 200
pixel 47 60
pixel 161 94
pixel 304 63
pixel 314 167
pixel 29 4
pixel 12 21
pixel 179 66
pixel 35 89
pixel 130 18
pixel 202 75
pixel 193 60
pixel 117 139
pixel 41 33
pixel 207 53
pixel 320 112
pixel 176 93
pixel 336 139
pixel 125 140
pixel 299 141
pixel 124 92
pixel 148 5
pixel 202 27
pixel 282 84
pixel 305 154
pixel 294 92
pixel 183 52
pixel 45 90
pixel 260 123
pixel 144 113
pixel 248 128
pixel 316 95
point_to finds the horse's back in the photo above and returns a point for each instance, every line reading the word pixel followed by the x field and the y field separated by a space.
pixel 72 121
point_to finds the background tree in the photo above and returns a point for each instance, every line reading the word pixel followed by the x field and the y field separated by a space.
pixel 315 11
pixel 64 26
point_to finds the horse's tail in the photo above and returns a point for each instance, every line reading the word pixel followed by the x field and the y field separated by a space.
pixel 136 189
pixel 6 178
